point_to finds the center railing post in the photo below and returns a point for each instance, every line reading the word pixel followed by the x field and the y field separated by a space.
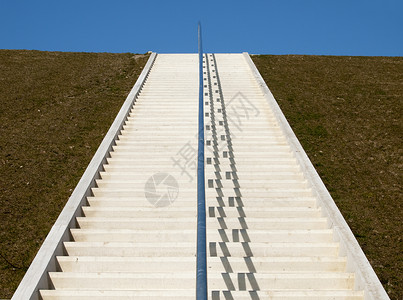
pixel 201 275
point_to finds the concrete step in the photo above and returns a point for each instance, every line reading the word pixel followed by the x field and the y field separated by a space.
pixel 217 223
pixel 224 281
pixel 214 295
pixel 271 249
pixel 131 192
pixel 159 119
pixel 274 236
pixel 185 184
pixel 265 212
pixel 95 202
pixel 138 182
pixel 130 155
pixel 162 159
pixel 268 224
pixel 130 249
pixel 290 281
pixel 213 211
pixel 266 193
pixel 133 236
pixel 103 264
pixel 276 265
pixel 166 134
pixel 185 192
pixel 123 295
pixel 123 281
pixel 149 169
pixel 136 223
pixel 180 139
pixel 140 212
pixel 99 264
pixel 307 202
pixel 288 295
pixel 253 176
pixel 134 152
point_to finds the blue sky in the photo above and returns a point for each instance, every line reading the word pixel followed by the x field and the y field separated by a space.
pixel 322 27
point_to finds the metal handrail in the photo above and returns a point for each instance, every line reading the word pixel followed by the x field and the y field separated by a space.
pixel 201 275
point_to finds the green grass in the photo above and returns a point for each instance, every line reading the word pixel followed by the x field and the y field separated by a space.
pixel 347 114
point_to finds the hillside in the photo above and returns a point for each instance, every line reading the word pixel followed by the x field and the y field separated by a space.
pixel 56 108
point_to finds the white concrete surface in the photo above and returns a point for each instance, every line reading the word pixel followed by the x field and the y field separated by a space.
pixel 267 225
pixel 124 246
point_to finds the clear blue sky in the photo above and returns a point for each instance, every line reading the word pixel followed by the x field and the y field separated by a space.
pixel 331 27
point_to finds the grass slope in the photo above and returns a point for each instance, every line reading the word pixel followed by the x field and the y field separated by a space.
pixel 347 114
pixel 55 110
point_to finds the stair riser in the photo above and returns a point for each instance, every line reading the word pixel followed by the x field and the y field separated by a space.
pixel 252 281
pixel 155 236
pixel 132 251
pixel 226 282
pixel 148 266
pixel 68 281
pixel 212 224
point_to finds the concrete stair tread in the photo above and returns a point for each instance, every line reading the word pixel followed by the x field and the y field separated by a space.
pixel 288 295
pixel 173 280
pixel 122 203
pixel 189 294
pixel 145 209
pixel 124 295
pixel 123 281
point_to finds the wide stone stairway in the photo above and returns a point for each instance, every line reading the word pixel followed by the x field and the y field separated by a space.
pixel 132 242
pixel 273 231
pixel 267 237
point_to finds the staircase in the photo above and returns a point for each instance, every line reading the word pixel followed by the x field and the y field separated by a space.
pixel 273 231
pixel 137 239
pixel 266 234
